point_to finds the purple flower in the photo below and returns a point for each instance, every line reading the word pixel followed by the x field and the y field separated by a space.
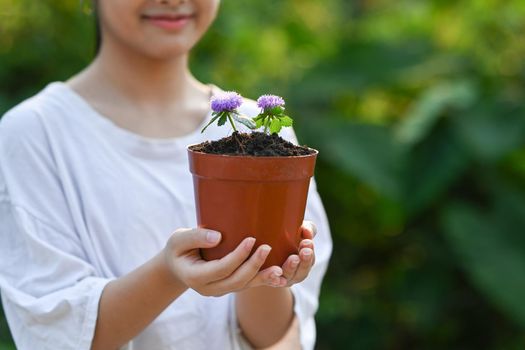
pixel 270 101
pixel 226 101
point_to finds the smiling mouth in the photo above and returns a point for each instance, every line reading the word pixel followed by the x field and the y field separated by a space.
pixel 168 22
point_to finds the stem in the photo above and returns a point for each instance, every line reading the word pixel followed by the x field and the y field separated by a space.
pixel 231 122
pixel 235 136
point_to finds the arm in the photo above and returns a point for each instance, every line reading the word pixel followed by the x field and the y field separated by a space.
pixel 264 314
pixel 131 302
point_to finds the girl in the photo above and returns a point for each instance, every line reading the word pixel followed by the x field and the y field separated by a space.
pixel 96 199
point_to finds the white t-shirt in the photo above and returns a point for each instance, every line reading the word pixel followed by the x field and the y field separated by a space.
pixel 84 201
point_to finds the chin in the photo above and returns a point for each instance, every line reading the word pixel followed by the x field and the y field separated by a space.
pixel 167 52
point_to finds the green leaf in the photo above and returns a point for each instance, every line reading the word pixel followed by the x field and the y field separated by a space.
pixel 276 110
pixel 432 106
pixel 368 152
pixel 286 121
pixel 425 180
pixel 248 122
pixel 223 119
pixel 259 123
pixel 492 130
pixel 275 126
pixel 259 117
pixel 491 249
pixel 215 116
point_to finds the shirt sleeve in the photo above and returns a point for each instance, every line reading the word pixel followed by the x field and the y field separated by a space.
pixel 306 293
pixel 50 292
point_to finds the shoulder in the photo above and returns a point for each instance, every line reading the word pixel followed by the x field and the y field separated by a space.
pixel 23 124
pixel 27 113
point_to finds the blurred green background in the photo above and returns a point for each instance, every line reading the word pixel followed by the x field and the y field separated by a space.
pixel 417 108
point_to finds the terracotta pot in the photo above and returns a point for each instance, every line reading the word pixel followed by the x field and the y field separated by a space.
pixel 243 196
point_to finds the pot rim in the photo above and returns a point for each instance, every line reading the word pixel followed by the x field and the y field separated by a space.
pixel 315 153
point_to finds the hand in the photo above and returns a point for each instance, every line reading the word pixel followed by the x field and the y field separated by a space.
pixel 297 267
pixel 231 273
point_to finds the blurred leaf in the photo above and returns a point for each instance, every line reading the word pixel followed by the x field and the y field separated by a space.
pixel 7 346
pixel 491 130
pixel 366 151
pixel 286 121
pixel 431 106
pixel 491 247
pixel 361 65
pixel 432 167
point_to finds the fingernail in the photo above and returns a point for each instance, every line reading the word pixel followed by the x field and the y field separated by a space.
pixel 265 250
pixel 294 263
pixel 248 244
pixel 213 236
pixel 307 252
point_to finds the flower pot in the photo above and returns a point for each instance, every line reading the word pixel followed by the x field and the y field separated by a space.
pixel 243 196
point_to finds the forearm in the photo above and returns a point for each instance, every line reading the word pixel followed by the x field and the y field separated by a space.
pixel 128 304
pixel 264 314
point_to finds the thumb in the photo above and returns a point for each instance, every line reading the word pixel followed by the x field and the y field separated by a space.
pixel 183 240
pixel 309 230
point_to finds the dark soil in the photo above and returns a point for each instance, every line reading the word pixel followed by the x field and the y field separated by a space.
pixel 253 144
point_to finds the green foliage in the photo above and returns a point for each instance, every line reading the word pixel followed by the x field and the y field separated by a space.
pixel 417 110
pixel 6 343
pixel 220 118
pixel 273 120
pixel 271 117
pixel 246 121
pixel 490 246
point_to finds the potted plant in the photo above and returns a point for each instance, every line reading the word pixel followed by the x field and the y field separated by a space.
pixel 252 184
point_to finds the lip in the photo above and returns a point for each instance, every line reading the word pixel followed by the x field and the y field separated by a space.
pixel 168 21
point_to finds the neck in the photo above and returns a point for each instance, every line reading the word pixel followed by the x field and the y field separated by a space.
pixel 144 79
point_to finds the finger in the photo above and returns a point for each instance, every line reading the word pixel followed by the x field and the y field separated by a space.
pixel 306 243
pixel 308 229
pixel 271 276
pixel 290 266
pixel 185 239
pixel 307 260
pixel 205 272
pixel 246 272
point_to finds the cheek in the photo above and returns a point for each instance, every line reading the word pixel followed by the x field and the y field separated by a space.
pixel 208 12
pixel 118 19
